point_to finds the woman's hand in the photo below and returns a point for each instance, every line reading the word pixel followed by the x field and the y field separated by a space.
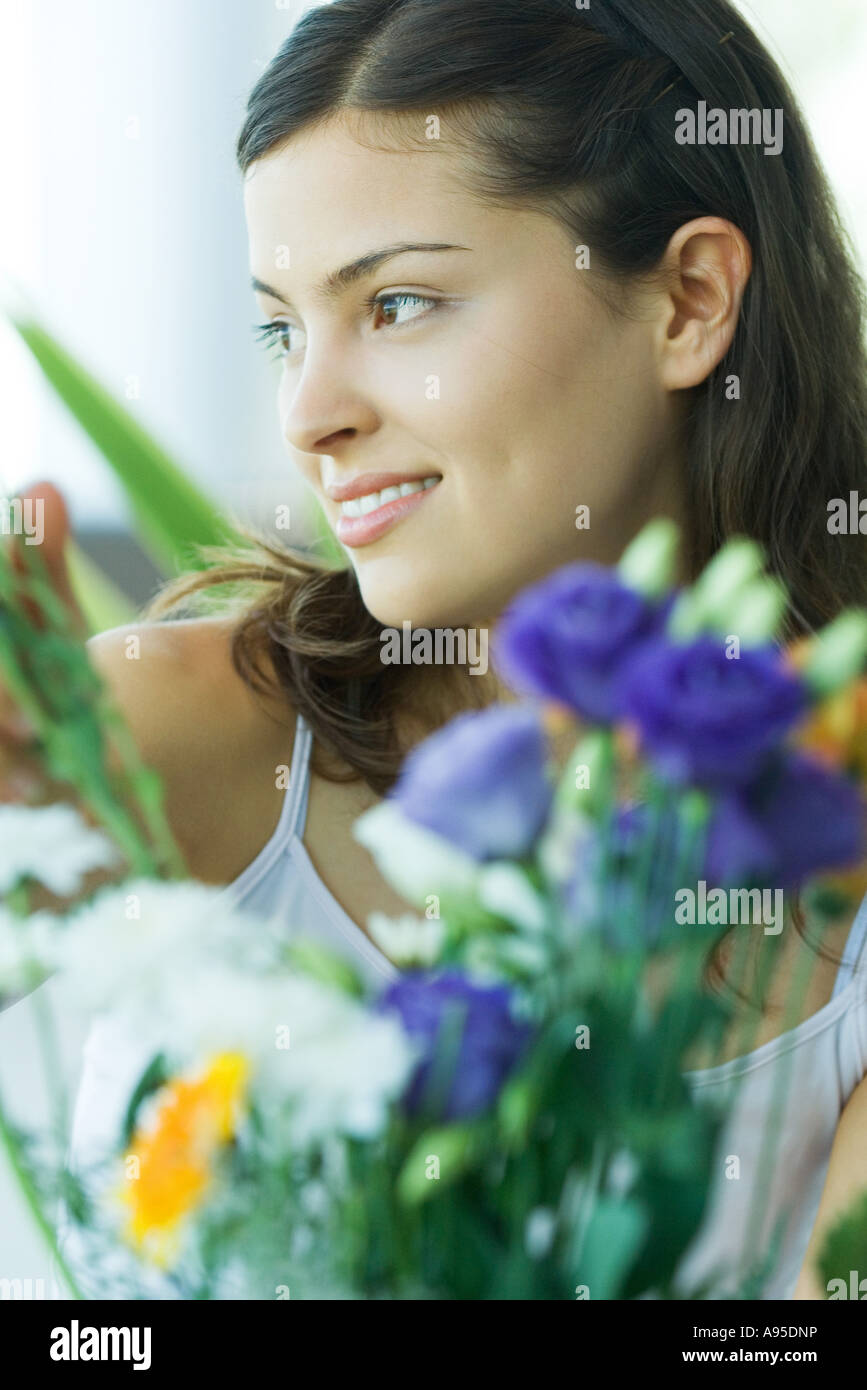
pixel 23 778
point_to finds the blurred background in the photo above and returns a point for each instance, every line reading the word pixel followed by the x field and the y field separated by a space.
pixel 124 227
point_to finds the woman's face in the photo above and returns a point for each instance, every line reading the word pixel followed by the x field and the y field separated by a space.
pixel 452 408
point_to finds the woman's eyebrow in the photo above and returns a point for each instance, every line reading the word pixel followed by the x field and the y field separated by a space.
pixel 337 281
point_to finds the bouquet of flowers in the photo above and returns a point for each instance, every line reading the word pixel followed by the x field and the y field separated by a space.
pixel 509 1118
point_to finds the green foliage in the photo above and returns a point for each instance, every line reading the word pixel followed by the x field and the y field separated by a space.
pixel 613 1237
pixel 155 1075
pixel 325 965
pixel 45 668
pixel 453 1147
pixel 174 517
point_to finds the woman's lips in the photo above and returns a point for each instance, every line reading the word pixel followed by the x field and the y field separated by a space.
pixel 356 531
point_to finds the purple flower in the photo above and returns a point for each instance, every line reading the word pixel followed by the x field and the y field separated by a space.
pixel 705 718
pixel 566 638
pixel 738 850
pixel 481 782
pixel 488 1040
pixel 797 820
pixel 794 821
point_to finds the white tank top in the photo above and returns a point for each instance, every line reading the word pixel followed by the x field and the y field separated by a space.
pixel 826 1057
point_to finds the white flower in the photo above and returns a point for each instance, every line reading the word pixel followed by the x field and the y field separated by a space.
pixel 186 973
pixel 407 940
pixel 133 942
pixel 336 1063
pixel 490 955
pixel 505 889
pixel 52 844
pixel 28 951
pixel 343 1070
pixel 415 861
pixel 178 968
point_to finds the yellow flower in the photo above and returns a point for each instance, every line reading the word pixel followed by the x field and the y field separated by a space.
pixel 837 730
pixel 852 884
pixel 174 1155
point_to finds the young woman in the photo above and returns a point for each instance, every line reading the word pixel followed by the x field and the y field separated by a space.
pixel 506 285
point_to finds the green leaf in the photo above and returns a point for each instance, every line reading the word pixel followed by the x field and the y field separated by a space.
pixel 174 517
pixel 454 1149
pixel 595 752
pixel 613 1237
pixel 515 1111
pixel 326 966
pixel 154 1076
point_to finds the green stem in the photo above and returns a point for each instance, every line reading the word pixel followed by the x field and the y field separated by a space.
pixel 694 821
pixel 598 1168
pixel 17 1163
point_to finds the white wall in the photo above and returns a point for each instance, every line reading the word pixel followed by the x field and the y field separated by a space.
pixel 128 234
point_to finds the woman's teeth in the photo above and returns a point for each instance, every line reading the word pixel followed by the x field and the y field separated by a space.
pixel 360 506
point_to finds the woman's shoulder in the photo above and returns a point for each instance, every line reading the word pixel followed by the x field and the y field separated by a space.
pixel 217 744
pixel 845 1183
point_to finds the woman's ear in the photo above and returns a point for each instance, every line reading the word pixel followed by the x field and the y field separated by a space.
pixel 705 271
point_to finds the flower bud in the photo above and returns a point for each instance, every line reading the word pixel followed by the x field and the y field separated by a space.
pixel 735 565
pixel 757 611
pixel 649 564
pixel 837 654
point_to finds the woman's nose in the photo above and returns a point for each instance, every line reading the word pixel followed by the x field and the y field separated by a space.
pixel 325 402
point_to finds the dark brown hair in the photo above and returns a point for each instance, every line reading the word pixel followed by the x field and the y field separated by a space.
pixel 573 112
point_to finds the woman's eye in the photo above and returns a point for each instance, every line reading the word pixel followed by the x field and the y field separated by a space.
pixel 393 306
pixel 396 309
pixel 276 332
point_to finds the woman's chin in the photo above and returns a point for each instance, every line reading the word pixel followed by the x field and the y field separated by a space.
pixel 409 598
pixel 396 616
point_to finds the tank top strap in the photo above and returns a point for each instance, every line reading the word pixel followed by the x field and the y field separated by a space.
pixel 854 949
pixel 298 790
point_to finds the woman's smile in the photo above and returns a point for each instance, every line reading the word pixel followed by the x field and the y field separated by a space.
pixel 374 503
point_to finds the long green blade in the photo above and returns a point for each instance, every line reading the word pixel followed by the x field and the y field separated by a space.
pixel 172 514
pixel 103 604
